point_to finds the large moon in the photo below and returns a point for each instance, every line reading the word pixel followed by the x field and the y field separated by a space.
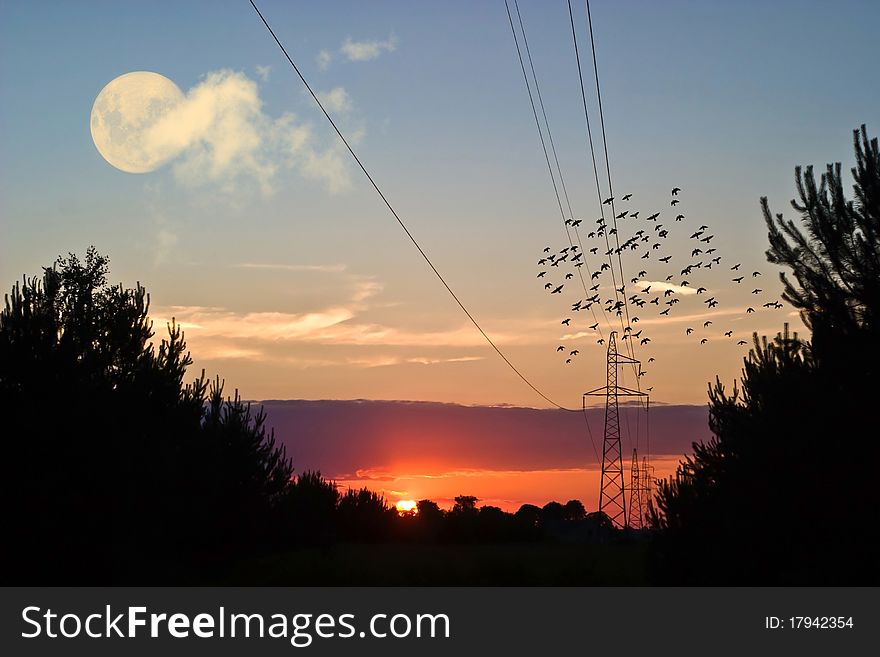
pixel 122 115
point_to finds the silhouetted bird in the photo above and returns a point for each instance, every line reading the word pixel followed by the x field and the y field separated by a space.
pixel 650 360
pixel 547 286
pixel 674 202
pixel 600 341
pixel 750 310
pixel 627 197
pixel 542 274
pixel 574 352
pixel 755 274
pixel 675 191
pixel 653 217
pixel 576 222
pixel 706 323
pixel 568 276
pixel 688 331
pixel 644 341
pixel 757 290
pixel 704 340
pixel 567 361
pixel 696 252
pixel 560 347
pixel 567 321
pixel 700 290
pixel 666 259
pixel 622 214
pixel 649 389
pixel 728 333
pixel 594 250
pixel 703 227
pixel 558 290
pixel 679 217
pixel 608 200
pixel 741 342
pixel 737 280
pixel 665 312
pixel 546 249
pixel 736 266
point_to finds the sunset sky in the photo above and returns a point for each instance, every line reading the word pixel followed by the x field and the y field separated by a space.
pixel 291 278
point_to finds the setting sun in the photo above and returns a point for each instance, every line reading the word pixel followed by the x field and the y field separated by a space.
pixel 407 507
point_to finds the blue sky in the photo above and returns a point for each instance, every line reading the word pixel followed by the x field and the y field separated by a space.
pixel 720 98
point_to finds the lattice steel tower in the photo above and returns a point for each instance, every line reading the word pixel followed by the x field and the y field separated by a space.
pixel 636 514
pixel 612 498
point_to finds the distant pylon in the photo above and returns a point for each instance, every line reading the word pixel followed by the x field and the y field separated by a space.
pixel 647 479
pixel 636 494
pixel 612 498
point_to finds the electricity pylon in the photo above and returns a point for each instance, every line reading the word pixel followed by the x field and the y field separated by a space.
pixel 612 498
pixel 636 494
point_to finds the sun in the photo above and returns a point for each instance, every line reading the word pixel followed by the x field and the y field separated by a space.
pixel 407 507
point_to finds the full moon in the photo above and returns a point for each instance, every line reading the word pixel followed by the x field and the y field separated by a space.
pixel 122 115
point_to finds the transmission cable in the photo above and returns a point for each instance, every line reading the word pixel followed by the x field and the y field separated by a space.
pixel 400 221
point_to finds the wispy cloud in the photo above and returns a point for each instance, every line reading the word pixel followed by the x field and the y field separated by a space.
pixel 336 100
pixel 336 268
pixel 421 360
pixel 360 51
pixel 263 72
pixel 323 60
pixel 221 136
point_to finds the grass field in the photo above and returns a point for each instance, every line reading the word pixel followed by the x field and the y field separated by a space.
pixel 532 564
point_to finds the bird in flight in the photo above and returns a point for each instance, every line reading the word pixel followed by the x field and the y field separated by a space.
pixel 700 290
pixel 757 290
pixel 755 274
pixel 573 352
pixel 675 191
pixel 546 249
pixel 644 341
pixel 627 197
pixel 750 310
pixel 736 266
pixel 666 259
pixel 706 323
pixel 688 331
pixel 654 216
pixel 665 312
pixel 600 341
pixel 737 280
pixel 704 340
pixel 608 200
pixel 560 347
pixel 547 286
pixel 622 214
pixel 595 326
pixel 649 389
pixel 542 274
pixel 650 360
pixel 674 202
pixel 558 290
pixel 568 275
pixel 567 321
pixel 567 361
pixel 728 333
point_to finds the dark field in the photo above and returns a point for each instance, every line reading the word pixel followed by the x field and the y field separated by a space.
pixel 528 564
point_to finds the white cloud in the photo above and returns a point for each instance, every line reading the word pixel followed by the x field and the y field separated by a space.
pixel 662 286
pixel 336 100
pixel 263 72
pixel 323 60
pixel 222 136
pixel 361 51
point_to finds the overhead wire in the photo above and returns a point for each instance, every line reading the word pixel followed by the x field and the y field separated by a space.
pixel 400 221
pixel 553 149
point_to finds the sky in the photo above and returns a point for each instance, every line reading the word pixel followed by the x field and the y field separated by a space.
pixel 288 274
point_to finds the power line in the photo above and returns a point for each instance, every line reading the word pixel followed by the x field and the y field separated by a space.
pixel 400 221
pixel 610 186
pixel 552 147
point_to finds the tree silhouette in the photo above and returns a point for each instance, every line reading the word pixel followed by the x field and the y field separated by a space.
pixel 118 468
pixel 781 492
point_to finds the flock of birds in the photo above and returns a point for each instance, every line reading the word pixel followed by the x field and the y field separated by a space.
pixel 623 302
